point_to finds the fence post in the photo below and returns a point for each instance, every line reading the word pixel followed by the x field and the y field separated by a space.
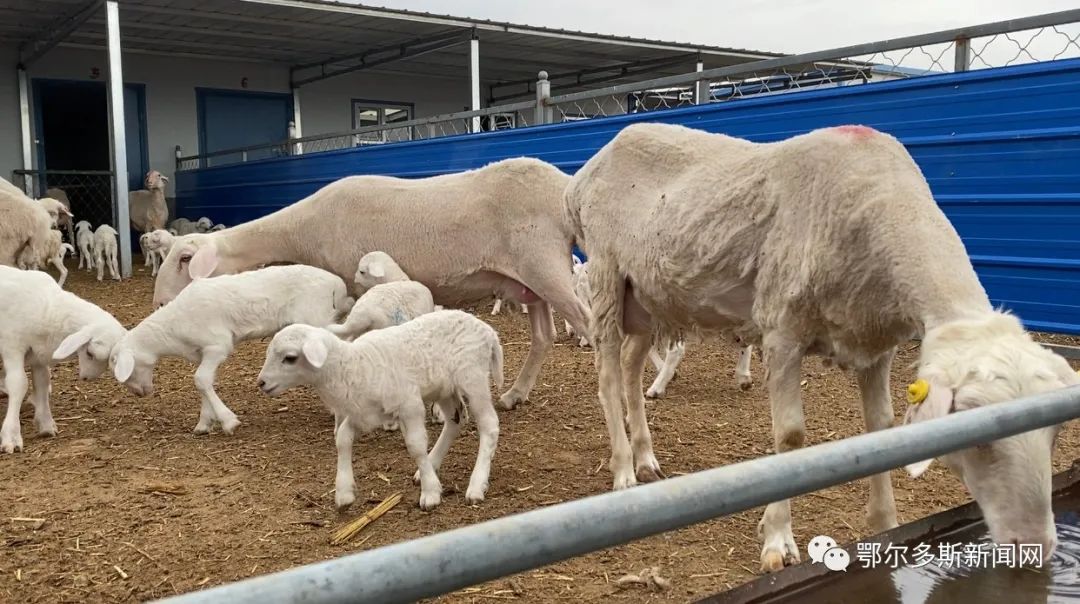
pixel 543 94
pixel 179 152
pixel 962 60
pixel 701 87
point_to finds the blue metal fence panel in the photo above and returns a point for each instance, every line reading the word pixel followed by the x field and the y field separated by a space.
pixel 999 147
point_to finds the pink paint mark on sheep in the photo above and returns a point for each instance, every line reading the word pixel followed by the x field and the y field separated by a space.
pixel 856 130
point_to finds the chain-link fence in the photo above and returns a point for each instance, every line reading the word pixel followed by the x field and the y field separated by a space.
pixel 89 193
pixel 1033 39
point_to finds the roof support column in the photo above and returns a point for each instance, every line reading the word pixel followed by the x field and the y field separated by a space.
pixel 298 129
pixel 24 122
pixel 118 137
pixel 474 79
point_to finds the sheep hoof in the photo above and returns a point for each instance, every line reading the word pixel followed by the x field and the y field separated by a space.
pixel 650 473
pixel 390 426
pixel 430 501
pixel 745 385
pixel 511 400
pixel 772 561
pixel 49 430
pixel 343 500
pixel 474 496
pixel 201 429
pixel 623 480
pixel 654 393
pixel 230 425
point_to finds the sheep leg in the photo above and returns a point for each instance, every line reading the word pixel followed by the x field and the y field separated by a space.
pixel 487 428
pixel 344 481
pixel 153 264
pixel 498 306
pixel 743 376
pixel 43 418
pixel 656 359
pixel 635 349
pixel 878 415
pixel 58 262
pixel 99 261
pixel 451 411
pixel 15 383
pixel 784 360
pixel 411 416
pixel 540 324
pixel 113 270
pixel 667 370
pixel 205 376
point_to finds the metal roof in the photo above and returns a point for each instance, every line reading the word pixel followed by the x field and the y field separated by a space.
pixel 299 32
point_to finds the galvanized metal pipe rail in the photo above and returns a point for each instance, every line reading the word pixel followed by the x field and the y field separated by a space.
pixel 405 572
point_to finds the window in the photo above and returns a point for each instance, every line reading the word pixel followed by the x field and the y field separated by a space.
pixel 379 113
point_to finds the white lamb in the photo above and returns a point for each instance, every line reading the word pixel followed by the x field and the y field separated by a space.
pixel 105 251
pixel 65 219
pixel 498 229
pixel 390 298
pixel 41 324
pixel 147 207
pixel 447 357
pixel 53 254
pixel 156 246
pixel 183 226
pixel 827 243
pixel 84 239
pixel 211 316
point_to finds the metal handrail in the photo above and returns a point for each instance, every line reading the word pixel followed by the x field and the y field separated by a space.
pixel 441 563
pixel 833 54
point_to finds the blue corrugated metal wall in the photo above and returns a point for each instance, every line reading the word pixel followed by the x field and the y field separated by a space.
pixel 1000 149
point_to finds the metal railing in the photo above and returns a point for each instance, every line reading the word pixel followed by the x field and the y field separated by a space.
pixel 441 563
pixel 90 192
pixel 1040 38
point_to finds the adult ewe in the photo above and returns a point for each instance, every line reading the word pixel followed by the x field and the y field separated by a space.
pixel 828 243
pixel 499 229
pixel 24 226
pixel 147 207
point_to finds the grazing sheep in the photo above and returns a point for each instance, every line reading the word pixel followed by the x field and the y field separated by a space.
pixel 447 357
pixel 105 251
pixel 84 238
pixel 211 316
pixel 827 243
pixel 147 207
pixel 24 226
pixel 41 324
pixel 65 219
pixel 461 235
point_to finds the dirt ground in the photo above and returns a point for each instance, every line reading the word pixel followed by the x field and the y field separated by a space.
pixel 136 507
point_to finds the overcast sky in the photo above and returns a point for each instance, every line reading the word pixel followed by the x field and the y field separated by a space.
pixel 772 25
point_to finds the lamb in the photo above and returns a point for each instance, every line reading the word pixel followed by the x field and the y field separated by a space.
pixel 827 243
pixel 448 357
pixel 66 218
pixel 84 238
pixel 217 227
pixel 105 251
pixel 460 235
pixel 24 226
pixel 211 316
pixel 43 324
pixel 183 226
pixel 54 254
pixel 147 207
pixel 156 246
pixel 390 298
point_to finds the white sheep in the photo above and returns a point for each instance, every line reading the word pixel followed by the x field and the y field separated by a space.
pixel 216 228
pixel 24 226
pixel 446 357
pixel 53 254
pixel 156 246
pixel 84 239
pixel 826 243
pixel 147 207
pixel 105 251
pixel 461 235
pixel 390 298
pixel 65 218
pixel 211 316
pixel 41 324
pixel 183 226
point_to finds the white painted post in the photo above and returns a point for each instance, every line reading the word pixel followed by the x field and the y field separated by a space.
pixel 474 79
pixel 298 130
pixel 24 120
pixel 701 87
pixel 962 55
pixel 118 138
pixel 544 114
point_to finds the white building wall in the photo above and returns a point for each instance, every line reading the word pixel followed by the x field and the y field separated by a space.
pixel 171 109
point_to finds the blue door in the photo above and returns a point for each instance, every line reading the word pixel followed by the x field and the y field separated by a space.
pixel 229 119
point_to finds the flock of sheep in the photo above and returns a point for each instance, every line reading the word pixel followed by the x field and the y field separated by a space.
pixel 828 243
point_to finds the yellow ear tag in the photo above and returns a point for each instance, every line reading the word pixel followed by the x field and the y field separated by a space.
pixel 917 391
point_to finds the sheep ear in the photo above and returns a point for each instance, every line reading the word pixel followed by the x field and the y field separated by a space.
pixel 376 270
pixel 938 403
pixel 315 352
pixel 203 262
pixel 72 344
pixel 164 178
pixel 125 366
